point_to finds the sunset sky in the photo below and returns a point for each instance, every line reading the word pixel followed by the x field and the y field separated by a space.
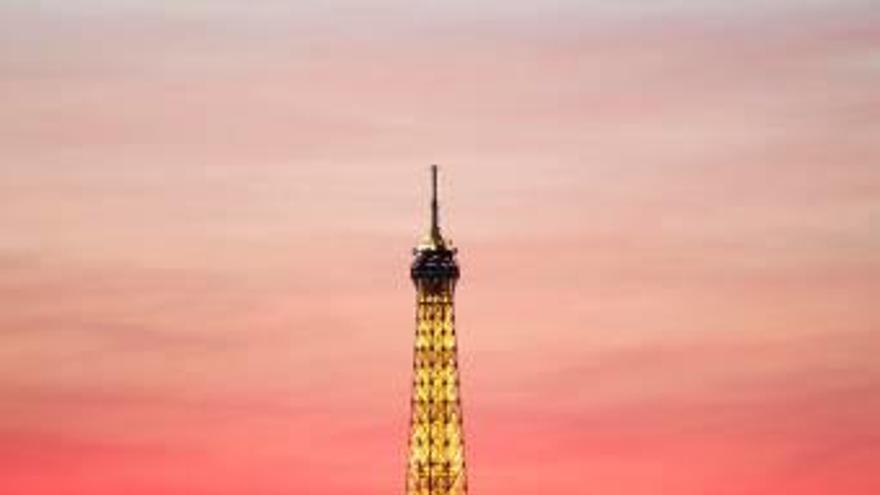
pixel 668 220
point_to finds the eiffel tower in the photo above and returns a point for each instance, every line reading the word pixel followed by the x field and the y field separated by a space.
pixel 436 464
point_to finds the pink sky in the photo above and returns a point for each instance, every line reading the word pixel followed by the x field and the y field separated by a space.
pixel 667 220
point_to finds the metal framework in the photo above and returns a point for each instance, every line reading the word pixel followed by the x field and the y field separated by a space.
pixel 436 463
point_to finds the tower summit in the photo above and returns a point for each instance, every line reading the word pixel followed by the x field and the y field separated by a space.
pixel 436 463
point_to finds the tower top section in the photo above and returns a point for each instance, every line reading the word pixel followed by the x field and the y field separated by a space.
pixel 434 256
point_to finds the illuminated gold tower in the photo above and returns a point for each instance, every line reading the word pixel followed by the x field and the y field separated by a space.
pixel 436 442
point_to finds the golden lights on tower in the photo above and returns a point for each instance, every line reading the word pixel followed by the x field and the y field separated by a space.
pixel 436 463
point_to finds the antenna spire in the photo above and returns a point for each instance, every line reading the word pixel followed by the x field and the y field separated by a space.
pixel 434 240
pixel 435 216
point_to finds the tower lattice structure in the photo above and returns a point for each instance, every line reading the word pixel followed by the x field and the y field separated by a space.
pixel 436 462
